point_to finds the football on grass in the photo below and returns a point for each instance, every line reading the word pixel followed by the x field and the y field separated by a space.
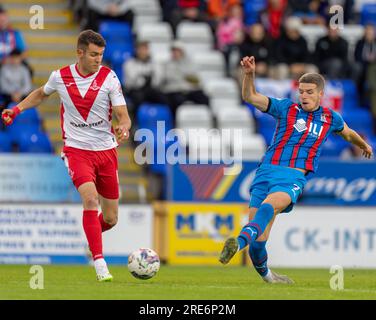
pixel 143 263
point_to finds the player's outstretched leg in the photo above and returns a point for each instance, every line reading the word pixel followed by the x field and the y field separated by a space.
pixel 248 234
pixel 259 256
pixel 93 232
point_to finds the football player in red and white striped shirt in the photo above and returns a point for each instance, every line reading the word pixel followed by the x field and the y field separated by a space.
pixel 89 93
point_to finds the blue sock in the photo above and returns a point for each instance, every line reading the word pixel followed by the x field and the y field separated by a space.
pixel 259 256
pixel 257 226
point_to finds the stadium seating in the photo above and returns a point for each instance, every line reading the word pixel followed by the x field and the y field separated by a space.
pixel 145 8
pixel 252 147
pixel 236 118
pixel 115 31
pixel 30 141
pixel 147 117
pixel 207 147
pixel 149 114
pixel 218 104
pixel 333 147
pixel 210 64
pixel 359 120
pixel 28 118
pixel 225 88
pixel 368 13
pixel 266 125
pixel 195 32
pixel 193 117
pixel 5 142
pixel 157 32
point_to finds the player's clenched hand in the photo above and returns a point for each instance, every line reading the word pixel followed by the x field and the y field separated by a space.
pixel 122 132
pixel 367 151
pixel 248 65
pixel 9 114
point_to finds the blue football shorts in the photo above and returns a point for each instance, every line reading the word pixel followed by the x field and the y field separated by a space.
pixel 272 178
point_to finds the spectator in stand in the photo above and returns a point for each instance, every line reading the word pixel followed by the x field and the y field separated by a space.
pixel 258 45
pixel 10 38
pixel 180 81
pixel 108 10
pixel 190 10
pixel 143 78
pixel 15 79
pixel 365 56
pixel 292 55
pixel 331 54
pixel 307 10
pixel 230 34
pixel 272 17
pixel 219 9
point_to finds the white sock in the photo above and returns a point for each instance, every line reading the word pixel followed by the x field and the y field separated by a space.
pixel 100 266
pixel 268 277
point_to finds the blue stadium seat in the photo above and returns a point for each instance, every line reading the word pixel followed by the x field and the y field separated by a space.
pixel 350 95
pixel 5 142
pixel 29 117
pixel 359 120
pixel 368 14
pixel 34 142
pixel 333 147
pixel 117 54
pixel 149 114
pixel 116 31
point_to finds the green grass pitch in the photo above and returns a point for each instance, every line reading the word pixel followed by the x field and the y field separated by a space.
pixel 182 283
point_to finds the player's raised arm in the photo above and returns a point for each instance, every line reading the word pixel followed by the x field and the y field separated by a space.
pixel 354 138
pixel 249 92
pixel 32 100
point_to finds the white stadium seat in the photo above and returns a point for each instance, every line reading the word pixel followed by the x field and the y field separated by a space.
pixel 145 7
pixel 216 105
pixel 191 116
pixel 252 148
pixel 156 32
pixel 209 64
pixel 226 88
pixel 160 52
pixel 194 32
pixel 236 118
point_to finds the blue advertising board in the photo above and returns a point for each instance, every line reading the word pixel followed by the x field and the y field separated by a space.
pixel 335 183
pixel 35 178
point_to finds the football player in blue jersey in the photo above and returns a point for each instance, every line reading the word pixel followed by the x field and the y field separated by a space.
pixel 301 130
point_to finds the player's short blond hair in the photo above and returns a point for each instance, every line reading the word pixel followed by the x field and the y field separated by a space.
pixel 89 36
pixel 314 78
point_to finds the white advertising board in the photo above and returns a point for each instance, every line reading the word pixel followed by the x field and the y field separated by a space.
pixel 37 234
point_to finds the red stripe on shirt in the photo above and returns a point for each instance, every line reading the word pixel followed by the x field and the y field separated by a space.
pixel 62 120
pixel 301 141
pixel 313 151
pixel 291 119
pixel 83 104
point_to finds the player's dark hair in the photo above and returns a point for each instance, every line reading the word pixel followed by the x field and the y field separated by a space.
pixel 89 36
pixel 314 78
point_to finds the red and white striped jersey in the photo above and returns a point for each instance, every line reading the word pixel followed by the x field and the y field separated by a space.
pixel 86 106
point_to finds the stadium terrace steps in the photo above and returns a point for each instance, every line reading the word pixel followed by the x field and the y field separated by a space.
pixel 50 49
